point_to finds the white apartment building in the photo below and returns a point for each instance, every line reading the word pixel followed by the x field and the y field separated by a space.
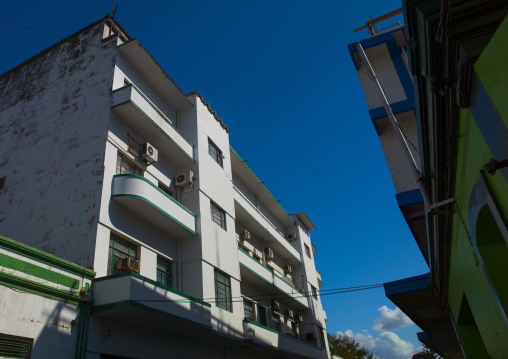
pixel 106 164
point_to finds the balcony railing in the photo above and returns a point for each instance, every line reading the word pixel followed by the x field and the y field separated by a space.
pixel 281 245
pixel 266 336
pixel 275 280
pixel 134 108
pixel 153 205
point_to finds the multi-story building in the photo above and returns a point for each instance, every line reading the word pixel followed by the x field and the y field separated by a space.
pixel 436 90
pixel 106 164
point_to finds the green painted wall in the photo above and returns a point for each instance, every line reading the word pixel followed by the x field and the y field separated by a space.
pixel 467 276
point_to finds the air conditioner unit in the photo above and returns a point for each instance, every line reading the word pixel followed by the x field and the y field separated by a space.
pixel 245 235
pixel 310 336
pixel 127 264
pixel 291 237
pixel 149 153
pixel 299 318
pixel 287 268
pixel 268 253
pixel 275 305
pixel 289 313
pixel 184 179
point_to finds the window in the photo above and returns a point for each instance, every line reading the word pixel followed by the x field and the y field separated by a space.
pixel 322 338
pixel 126 166
pixel 218 215
pixel 223 291
pixel 294 330
pixel 262 315
pixel 119 248
pixel 276 321
pixel 214 151
pixel 314 292
pixel 248 309
pixel 165 189
pixel 164 272
pixel 307 250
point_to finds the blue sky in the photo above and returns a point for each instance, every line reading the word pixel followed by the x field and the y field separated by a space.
pixel 279 74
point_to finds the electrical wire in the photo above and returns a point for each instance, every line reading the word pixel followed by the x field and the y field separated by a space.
pixel 48 33
pixel 278 296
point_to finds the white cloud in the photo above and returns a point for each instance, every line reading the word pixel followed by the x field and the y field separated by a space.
pixel 390 320
pixel 387 345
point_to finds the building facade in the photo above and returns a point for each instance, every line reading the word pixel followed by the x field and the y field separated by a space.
pixel 106 164
pixel 456 149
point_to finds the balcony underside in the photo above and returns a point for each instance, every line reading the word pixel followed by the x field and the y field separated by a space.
pixel 415 298
pixel 145 200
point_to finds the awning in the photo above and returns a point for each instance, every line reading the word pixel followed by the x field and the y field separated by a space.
pixel 416 299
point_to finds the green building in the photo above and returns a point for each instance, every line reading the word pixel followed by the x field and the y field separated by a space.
pixel 455 141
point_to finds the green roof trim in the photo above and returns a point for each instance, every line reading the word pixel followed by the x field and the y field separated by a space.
pixel 261 183
pixel 31 286
pixel 44 257
pixel 37 271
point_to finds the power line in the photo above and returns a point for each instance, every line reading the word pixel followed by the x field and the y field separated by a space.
pixel 48 33
pixel 279 295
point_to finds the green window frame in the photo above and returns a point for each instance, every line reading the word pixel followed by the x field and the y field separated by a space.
pixel 223 291
pixel 314 292
pixel 307 250
pixel 262 315
pixel 165 272
pixel 119 248
pixel 215 153
pixel 276 322
pixel 218 215
pixel 126 166
pixel 248 309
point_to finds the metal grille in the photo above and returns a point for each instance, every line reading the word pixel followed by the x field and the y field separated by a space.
pixel 215 152
pixel 218 215
pixel 223 291
pixel 248 309
pixel 164 272
pixel 124 166
pixel 12 346
pixel 119 248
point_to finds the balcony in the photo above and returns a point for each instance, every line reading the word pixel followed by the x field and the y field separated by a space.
pixel 320 282
pixel 259 334
pixel 253 271
pixel 140 114
pixel 134 299
pixel 150 203
pixel 254 220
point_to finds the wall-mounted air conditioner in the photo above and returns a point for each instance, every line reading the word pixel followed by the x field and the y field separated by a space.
pixel 127 264
pixel 289 313
pixel 184 179
pixel 149 153
pixel 299 318
pixel 291 237
pixel 287 268
pixel 268 253
pixel 245 235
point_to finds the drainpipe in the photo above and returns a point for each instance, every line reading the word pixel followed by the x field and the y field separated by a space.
pixel 417 173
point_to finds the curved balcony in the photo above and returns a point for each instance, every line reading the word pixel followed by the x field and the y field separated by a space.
pixel 149 202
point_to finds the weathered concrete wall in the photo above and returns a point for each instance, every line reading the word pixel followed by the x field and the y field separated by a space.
pixel 54 113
